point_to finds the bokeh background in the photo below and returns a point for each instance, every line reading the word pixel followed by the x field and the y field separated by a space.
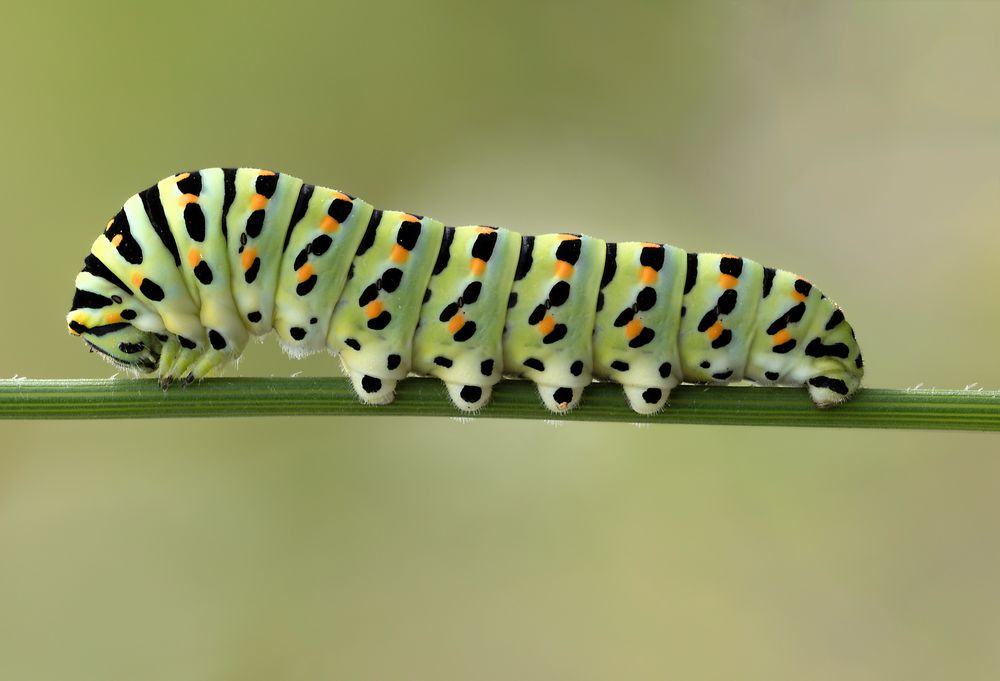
pixel 858 144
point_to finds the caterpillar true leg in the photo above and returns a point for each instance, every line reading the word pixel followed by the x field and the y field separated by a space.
pixel 192 267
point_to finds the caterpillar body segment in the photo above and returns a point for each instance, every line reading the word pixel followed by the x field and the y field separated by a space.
pixel 189 269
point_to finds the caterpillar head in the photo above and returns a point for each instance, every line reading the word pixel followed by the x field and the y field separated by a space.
pixel 106 324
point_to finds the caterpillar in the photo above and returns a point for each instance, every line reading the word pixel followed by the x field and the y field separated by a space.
pixel 192 267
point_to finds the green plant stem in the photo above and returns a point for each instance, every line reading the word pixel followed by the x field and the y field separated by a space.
pixel 117 398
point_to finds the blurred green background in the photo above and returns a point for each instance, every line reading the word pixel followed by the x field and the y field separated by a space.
pixel 857 144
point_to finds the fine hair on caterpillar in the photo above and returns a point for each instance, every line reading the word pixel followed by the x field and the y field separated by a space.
pixel 192 268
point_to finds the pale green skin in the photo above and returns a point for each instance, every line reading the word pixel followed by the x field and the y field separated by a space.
pixel 136 328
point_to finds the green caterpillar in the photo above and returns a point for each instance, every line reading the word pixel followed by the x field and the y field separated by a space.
pixel 192 267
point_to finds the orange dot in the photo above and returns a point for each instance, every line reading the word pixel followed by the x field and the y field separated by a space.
pixel 249 255
pixel 185 199
pixel 485 230
pixel 798 296
pixel 399 254
pixel 477 266
pixel 406 217
pixel 547 324
pixel 728 281
pixel 647 275
pixel 569 237
pixel 194 257
pixel 340 195
pixel 182 177
pixel 266 173
pixel 137 279
pixel 633 328
pixel 781 337
pixel 116 240
pixel 563 269
pixel 714 331
pixel 328 224
pixel 258 201
pixel 374 309
pixel 305 272
pixel 456 323
pixel 113 318
pixel 108 226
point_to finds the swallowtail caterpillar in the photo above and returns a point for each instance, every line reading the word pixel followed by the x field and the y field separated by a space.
pixel 189 269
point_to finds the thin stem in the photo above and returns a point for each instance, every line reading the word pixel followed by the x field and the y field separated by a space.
pixel 117 398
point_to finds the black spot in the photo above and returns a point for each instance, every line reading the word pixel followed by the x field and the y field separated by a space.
pixel 266 184
pixel 771 375
pixel 352 343
pixel 228 196
pixel 299 212
pixel 128 314
pixel 369 294
pixel 449 311
pixel 466 332
pixel 834 384
pixel 94 266
pixel 151 290
pixel 203 272
pixel 471 393
pixel 576 368
pixel 187 343
pixel 321 244
pixel 131 348
pixel 708 321
pixel 785 347
pixel 391 279
pixel 163 337
pixel 511 300
pixel 254 316
pixel 255 223
pixel 252 271
pixel 791 317
pixel 101 330
pixel 471 293
pixel 370 384
pixel 409 233
pixel 727 301
pixel 768 281
pixel 665 369
pixel 625 316
pixel 304 287
pixel 216 339
pixel 619 365
pixel 559 293
pixel 78 327
pixel 339 209
pixel 368 240
pixel 652 395
pixel 153 205
pixel 486 367
pixel 127 246
pixel 483 246
pixel 525 260
pixel 556 335
pixel 533 363
pixel 537 315
pixel 610 264
pixel 835 319
pixel 816 348
pixel 643 338
pixel 194 221
pixel 802 286
pixel 705 365
pixel 313 320
pixel 392 361
pixel 568 250
pixel 90 300
pixel 795 314
pixel 684 310
pixel 652 256
pixel 600 300
pixel 380 322
pixel 297 332
pixel 692 272
pixel 190 184
pixel 859 363
pixel 563 395
pixel 427 295
pixel 444 254
pixel 723 339
pixel 731 266
pixel 646 299
pixel 723 375
pixel 443 362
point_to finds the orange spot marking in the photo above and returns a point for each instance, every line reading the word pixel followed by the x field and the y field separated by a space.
pixel 108 226
pixel 182 177
pixel 185 199
pixel 647 275
pixel 798 296
pixel 477 266
pixel 116 239
pixel 633 328
pixel 569 237
pixel 728 281
pixel 409 218
pixel 194 257
pixel 328 224
pixel 456 323
pixel 781 337
pixel 547 324
pixel 646 244
pixel 267 173
pixel 137 279
pixel 374 309
pixel 399 254
pixel 113 318
pixel 249 255
pixel 485 230
pixel 563 269
pixel 714 331
pixel 305 272
pixel 340 195
pixel 258 201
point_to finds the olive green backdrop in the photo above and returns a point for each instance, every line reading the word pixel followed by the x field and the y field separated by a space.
pixel 856 144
